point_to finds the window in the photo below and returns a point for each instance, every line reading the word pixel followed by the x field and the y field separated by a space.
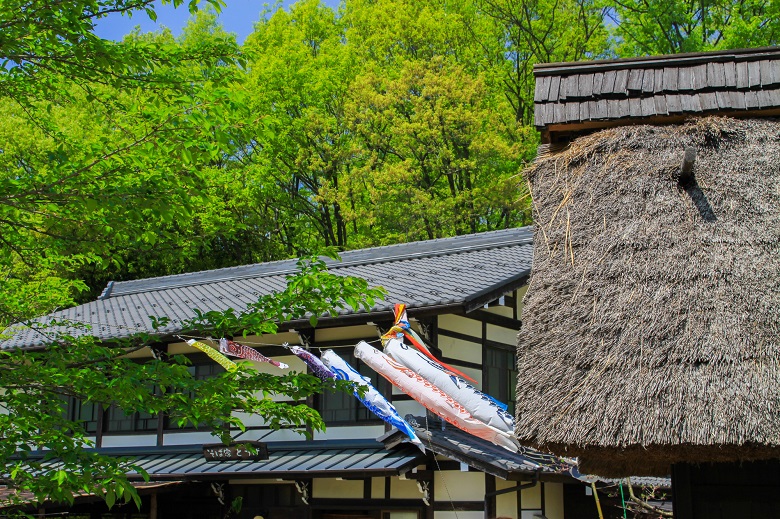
pixel 499 375
pixel 85 412
pixel 203 370
pixel 206 370
pixel 340 407
pixel 119 421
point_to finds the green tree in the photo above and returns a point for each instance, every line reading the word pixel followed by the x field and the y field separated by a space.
pixel 390 32
pixel 540 31
pixel 108 151
pixel 300 151
pixel 98 139
pixel 224 226
pixel 650 27
pixel 436 158
pixel 38 384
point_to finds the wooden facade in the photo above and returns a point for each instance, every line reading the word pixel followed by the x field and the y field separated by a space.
pixel 480 343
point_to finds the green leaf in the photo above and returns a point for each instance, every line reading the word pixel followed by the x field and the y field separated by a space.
pixel 60 476
pixel 110 498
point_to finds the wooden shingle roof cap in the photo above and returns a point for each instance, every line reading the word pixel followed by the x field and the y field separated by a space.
pixel 674 85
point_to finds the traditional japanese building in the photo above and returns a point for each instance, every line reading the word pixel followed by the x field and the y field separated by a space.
pixel 464 298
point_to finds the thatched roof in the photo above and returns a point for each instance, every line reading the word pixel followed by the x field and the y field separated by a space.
pixel 651 327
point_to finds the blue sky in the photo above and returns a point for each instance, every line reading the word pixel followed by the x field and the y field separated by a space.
pixel 237 16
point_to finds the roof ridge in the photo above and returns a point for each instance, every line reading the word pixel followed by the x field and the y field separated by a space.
pixel 665 60
pixel 521 235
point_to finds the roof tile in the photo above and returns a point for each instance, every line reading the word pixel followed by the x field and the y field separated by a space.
pixel 716 75
pixel 685 79
pixel 660 105
pixel 730 74
pixel 635 80
pixel 586 85
pixel 598 80
pixel 754 74
pixel 421 274
pixel 621 82
pixel 700 77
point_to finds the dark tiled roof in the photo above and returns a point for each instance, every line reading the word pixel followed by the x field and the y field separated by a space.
pixel 681 84
pixel 492 459
pixel 478 453
pixel 286 460
pixel 465 271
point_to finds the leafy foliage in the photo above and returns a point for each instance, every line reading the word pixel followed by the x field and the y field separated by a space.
pixel 382 122
pixel 643 27
pixel 106 150
pixel 42 446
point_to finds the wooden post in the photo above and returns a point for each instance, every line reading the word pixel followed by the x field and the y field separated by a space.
pixel 490 500
pixel 686 170
pixel 153 506
pixel 596 497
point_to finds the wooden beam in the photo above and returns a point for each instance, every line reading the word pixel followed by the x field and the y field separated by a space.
pixel 686 170
pixel 496 319
pixel 459 506
pixel 490 498
pixel 574 130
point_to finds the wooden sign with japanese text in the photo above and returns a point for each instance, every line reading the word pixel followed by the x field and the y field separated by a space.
pixel 248 450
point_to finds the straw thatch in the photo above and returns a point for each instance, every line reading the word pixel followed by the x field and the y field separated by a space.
pixel 651 324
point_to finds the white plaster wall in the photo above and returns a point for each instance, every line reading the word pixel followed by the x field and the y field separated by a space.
pixel 350 432
pixel 476 374
pixel 553 500
pixel 501 334
pixel 269 435
pixel 345 333
pixel 404 489
pixel 291 338
pixel 519 295
pixel 332 487
pixel 456 486
pixel 282 435
pixel 532 497
pixel 188 438
pixel 460 349
pixel 258 481
pixel 459 515
pixel 505 311
pixel 402 515
pixel 143 353
pixel 460 324
pixel 250 419
pixel 377 488
pixel 127 440
pixel 506 504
